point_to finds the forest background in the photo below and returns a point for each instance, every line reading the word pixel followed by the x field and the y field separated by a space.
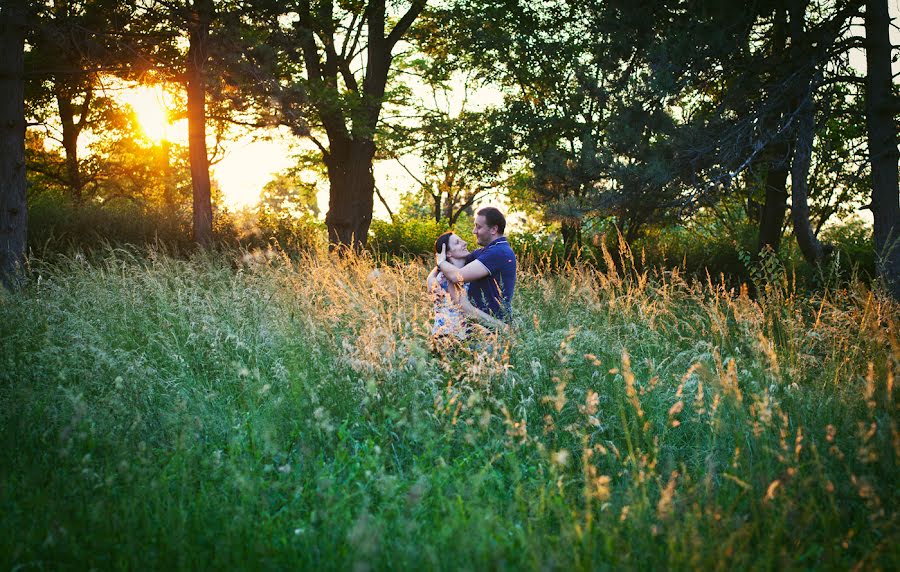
pixel 700 131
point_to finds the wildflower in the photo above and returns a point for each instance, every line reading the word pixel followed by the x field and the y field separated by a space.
pixel 798 442
pixel 630 391
pixel 675 410
pixel 561 457
pixel 664 506
pixel 600 487
pixel 870 386
pixel 770 492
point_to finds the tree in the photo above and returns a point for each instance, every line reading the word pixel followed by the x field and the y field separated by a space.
pixel 198 23
pixel 210 72
pixel 289 190
pixel 72 44
pixel 463 152
pixel 13 215
pixel 881 122
pixel 557 104
pixel 346 49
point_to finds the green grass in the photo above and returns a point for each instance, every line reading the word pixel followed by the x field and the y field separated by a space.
pixel 246 411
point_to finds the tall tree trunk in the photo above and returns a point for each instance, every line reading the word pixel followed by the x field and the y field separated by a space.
pixel 13 213
pixel 351 199
pixel 198 55
pixel 777 161
pixel 801 56
pixel 350 151
pixel 71 130
pixel 881 114
pixel 771 218
pixel 436 203
pixel 448 203
pixel 809 245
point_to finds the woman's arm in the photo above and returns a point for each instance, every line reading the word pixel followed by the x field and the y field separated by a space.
pixel 459 296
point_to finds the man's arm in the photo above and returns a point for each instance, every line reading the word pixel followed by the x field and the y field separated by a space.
pixel 472 271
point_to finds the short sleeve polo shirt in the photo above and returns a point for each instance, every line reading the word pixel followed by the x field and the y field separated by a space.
pixel 493 293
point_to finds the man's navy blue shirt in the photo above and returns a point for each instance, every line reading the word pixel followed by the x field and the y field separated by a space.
pixel 493 293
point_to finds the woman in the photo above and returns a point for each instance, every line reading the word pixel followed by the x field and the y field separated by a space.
pixel 451 303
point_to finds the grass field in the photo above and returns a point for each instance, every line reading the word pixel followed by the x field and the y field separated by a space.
pixel 245 411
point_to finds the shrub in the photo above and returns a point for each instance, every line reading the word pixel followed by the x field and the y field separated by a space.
pixel 404 237
pixel 853 245
pixel 57 224
pixel 292 234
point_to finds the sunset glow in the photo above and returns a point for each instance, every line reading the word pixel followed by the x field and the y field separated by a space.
pixel 150 106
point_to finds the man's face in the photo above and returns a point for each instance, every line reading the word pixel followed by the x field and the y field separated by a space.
pixel 483 233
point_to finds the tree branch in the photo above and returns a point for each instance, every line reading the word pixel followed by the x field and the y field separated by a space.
pixel 405 22
pixel 384 202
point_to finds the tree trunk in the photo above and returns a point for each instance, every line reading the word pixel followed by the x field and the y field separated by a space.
pixel 71 130
pixel 350 151
pixel 777 161
pixel 448 203
pixel 771 218
pixel 806 130
pixel 13 212
pixel 198 55
pixel 351 196
pixel 881 111
pixel 437 205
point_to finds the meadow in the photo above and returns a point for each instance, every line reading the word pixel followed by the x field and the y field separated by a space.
pixel 250 410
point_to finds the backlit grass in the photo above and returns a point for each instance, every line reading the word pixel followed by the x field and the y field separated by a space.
pixel 246 411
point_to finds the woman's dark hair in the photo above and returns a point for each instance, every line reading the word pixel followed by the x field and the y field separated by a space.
pixel 442 241
pixel 493 217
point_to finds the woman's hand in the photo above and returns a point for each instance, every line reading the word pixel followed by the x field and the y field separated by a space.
pixel 442 255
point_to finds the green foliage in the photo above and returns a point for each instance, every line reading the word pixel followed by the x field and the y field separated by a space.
pixel 288 232
pixel 405 237
pixel 238 410
pixel 852 241
pixel 57 225
pixel 290 192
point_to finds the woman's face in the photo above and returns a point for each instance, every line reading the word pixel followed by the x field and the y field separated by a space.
pixel 456 247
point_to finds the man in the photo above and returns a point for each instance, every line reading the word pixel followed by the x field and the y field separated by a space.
pixel 490 270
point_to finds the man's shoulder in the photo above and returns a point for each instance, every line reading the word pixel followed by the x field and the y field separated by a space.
pixel 502 248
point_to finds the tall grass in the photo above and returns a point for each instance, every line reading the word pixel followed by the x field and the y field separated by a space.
pixel 246 410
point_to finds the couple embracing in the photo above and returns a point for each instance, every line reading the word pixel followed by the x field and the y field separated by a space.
pixel 477 287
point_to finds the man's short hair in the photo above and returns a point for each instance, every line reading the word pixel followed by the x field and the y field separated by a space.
pixel 493 217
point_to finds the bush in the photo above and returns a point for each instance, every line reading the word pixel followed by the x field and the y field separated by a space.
pixel 57 224
pixel 292 234
pixel 404 237
pixel 853 246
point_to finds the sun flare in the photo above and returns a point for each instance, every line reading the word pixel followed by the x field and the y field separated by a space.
pixel 149 104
